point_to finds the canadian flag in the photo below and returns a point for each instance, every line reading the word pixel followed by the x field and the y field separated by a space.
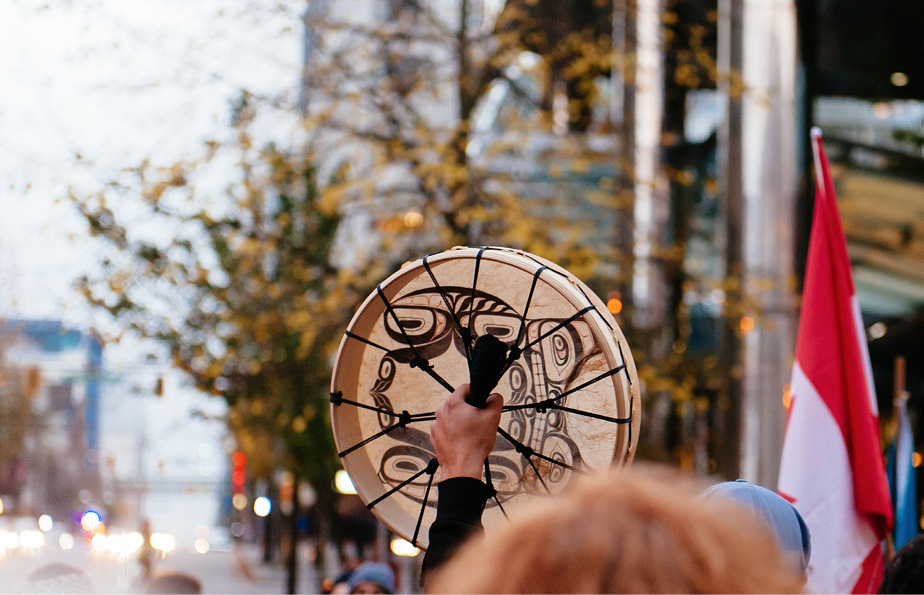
pixel 832 468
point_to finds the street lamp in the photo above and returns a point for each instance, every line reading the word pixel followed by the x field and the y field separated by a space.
pixel 343 484
pixel 262 506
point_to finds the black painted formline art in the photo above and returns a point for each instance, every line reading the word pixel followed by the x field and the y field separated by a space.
pixel 552 360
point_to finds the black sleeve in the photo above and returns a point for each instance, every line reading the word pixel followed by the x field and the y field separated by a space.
pixel 459 507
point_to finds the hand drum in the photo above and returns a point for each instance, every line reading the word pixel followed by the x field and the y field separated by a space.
pixel 569 382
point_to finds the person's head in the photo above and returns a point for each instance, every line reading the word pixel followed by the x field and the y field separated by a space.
pixel 632 531
pixel 57 577
pixel 905 572
pixel 173 583
pixel 372 577
pixel 339 585
pixel 789 529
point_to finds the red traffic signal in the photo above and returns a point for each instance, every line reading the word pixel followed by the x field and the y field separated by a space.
pixel 238 475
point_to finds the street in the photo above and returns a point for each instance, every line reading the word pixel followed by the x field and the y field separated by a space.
pixel 219 571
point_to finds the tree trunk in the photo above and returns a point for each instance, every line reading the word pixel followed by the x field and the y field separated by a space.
pixel 292 557
pixel 324 510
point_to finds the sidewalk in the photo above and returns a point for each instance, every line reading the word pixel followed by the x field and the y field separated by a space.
pixel 238 571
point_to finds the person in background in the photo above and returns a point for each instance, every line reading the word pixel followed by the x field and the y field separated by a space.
pixel 633 531
pixel 639 530
pixel 781 517
pixel 146 552
pixel 905 572
pixel 57 577
pixel 372 577
pixel 173 583
pixel 340 585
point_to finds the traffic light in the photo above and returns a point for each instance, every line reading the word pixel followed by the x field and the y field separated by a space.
pixel 238 475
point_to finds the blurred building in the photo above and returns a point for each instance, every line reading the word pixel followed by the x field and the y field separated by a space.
pixel 130 440
pixel 868 98
pixel 880 174
pixel 59 372
pixel 687 187
pixel 163 455
pixel 707 131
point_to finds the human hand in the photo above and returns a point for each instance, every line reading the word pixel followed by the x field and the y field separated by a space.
pixel 462 435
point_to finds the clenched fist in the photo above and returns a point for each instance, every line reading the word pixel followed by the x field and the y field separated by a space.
pixel 463 436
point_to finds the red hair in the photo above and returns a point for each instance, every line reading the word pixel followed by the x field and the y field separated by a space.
pixel 633 531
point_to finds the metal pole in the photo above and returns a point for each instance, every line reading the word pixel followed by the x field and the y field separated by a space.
pixel 624 41
pixel 617 47
pixel 730 57
pixel 313 10
pixel 807 27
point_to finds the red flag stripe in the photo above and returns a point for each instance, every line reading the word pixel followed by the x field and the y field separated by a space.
pixel 871 572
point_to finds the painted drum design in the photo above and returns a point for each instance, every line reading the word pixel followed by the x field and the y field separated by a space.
pixel 570 388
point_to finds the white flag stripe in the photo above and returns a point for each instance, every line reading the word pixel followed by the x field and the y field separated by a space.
pixel 864 353
pixel 904 451
pixel 841 539
pixel 816 157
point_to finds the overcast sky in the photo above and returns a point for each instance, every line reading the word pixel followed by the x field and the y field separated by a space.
pixel 115 81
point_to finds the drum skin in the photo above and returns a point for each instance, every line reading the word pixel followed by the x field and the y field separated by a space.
pixel 419 317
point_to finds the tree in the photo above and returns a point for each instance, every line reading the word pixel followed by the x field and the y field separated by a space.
pixel 453 117
pixel 498 129
pixel 15 416
pixel 437 125
pixel 240 282
pixel 239 285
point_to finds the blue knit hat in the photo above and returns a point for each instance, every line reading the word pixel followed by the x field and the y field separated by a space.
pixel 373 572
pixel 787 524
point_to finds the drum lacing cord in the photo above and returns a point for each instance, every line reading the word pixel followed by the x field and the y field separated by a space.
pixel 377 346
pixel 492 491
pixel 529 453
pixel 515 352
pixel 429 469
pixel 404 418
pixel 414 362
pixel 558 327
pixel 552 403
pixel 463 331
pixel 471 303
pixel 417 361
pixel 337 399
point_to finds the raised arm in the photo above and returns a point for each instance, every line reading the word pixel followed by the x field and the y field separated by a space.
pixel 463 437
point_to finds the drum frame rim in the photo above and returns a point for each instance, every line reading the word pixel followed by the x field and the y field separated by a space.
pixel 568 286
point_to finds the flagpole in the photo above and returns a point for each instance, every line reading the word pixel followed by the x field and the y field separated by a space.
pixel 900 394
pixel 899 397
pixel 816 157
